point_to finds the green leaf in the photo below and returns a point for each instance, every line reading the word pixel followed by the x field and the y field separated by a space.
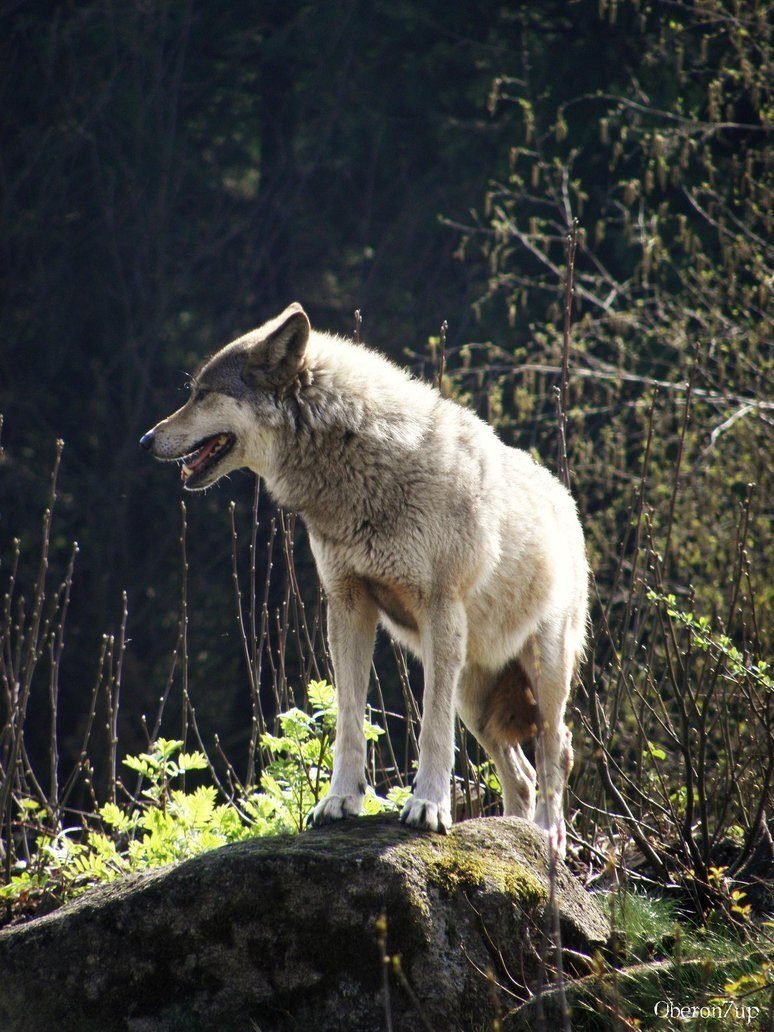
pixel 29 806
pixel 656 754
pixel 142 764
pixel 192 761
pixel 163 748
pixel 296 724
pixel 322 696
pixel 115 817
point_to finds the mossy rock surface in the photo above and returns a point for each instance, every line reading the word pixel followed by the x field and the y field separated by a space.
pixel 280 934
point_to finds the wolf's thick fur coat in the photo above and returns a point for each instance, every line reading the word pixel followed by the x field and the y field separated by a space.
pixel 419 517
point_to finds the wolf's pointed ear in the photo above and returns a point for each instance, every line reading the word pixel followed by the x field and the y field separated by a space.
pixel 278 350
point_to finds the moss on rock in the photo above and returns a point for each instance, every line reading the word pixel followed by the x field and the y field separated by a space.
pixel 454 865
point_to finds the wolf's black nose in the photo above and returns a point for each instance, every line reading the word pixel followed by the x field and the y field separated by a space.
pixel 146 440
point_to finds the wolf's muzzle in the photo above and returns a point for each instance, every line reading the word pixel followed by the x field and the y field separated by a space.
pixel 146 441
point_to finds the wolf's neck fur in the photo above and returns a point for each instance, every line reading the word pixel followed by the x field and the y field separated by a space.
pixel 349 433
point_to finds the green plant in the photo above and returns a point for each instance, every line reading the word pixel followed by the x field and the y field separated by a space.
pixel 666 968
pixel 160 824
pixel 298 774
pixel 737 666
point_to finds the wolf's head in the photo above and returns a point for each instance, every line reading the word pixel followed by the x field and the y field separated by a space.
pixel 235 407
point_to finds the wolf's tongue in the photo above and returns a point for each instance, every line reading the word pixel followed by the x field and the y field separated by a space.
pixel 204 452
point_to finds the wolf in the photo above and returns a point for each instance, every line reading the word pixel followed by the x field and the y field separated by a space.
pixel 420 519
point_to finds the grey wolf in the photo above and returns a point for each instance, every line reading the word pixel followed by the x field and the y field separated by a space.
pixel 467 551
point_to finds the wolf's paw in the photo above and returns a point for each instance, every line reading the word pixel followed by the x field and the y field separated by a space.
pixel 335 808
pixel 422 813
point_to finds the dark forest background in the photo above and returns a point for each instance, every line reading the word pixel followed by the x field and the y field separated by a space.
pixel 173 173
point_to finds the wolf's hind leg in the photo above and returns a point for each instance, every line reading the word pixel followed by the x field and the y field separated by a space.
pixel 351 630
pixel 550 659
pixel 518 779
pixel 496 709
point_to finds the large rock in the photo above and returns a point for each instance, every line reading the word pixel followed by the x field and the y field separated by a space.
pixel 282 933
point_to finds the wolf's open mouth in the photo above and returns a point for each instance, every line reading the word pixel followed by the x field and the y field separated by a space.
pixel 205 456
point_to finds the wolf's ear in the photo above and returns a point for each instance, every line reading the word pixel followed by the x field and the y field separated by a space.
pixel 278 350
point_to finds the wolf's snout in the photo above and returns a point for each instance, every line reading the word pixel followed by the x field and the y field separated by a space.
pixel 146 441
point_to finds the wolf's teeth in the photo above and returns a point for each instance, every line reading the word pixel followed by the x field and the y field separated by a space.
pixel 204 454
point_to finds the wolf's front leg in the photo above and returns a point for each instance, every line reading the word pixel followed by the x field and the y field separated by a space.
pixel 351 630
pixel 444 642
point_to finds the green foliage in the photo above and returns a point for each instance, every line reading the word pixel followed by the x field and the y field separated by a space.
pixel 298 775
pixel 736 664
pixel 165 824
pixel 716 974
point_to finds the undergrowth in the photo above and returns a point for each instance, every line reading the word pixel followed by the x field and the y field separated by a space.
pixel 163 820
pixel 667 971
